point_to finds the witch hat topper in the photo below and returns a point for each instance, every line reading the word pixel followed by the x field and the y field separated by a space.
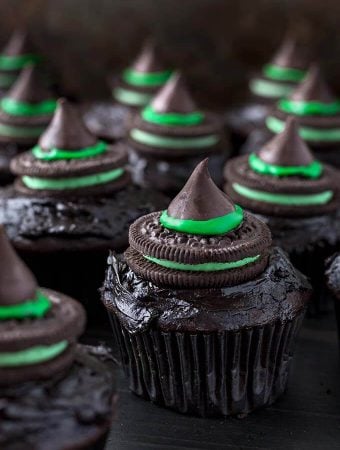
pixel 29 87
pixel 313 88
pixel 17 283
pixel 148 60
pixel 290 54
pixel 67 129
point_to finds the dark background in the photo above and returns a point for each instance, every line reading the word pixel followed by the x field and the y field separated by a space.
pixel 216 42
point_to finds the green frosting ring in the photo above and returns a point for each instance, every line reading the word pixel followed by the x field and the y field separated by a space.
pixel 135 78
pixel 203 267
pixel 33 355
pixel 17 62
pixel 172 119
pixel 37 308
pixel 283 199
pixel 71 183
pixel 131 98
pixel 155 140
pixel 20 132
pixel 16 108
pixel 55 154
pixel 300 108
pixel 283 73
pixel 6 80
pixel 270 89
pixel 216 226
pixel 309 134
pixel 312 170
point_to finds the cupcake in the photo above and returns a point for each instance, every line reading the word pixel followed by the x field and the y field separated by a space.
pixel 168 138
pixel 276 80
pixel 317 112
pixel 133 89
pixel 17 54
pixel 49 385
pixel 25 112
pixel 333 283
pixel 205 312
pixel 295 194
pixel 72 200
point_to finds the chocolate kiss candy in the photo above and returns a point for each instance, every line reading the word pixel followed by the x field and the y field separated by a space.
pixel 17 283
pixel 148 60
pixel 290 54
pixel 18 44
pixel 200 198
pixel 287 148
pixel 66 130
pixel 313 88
pixel 174 97
pixel 29 87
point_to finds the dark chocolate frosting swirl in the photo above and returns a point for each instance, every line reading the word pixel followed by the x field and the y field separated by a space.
pixel 167 255
pixel 70 160
pixel 283 179
pixel 38 327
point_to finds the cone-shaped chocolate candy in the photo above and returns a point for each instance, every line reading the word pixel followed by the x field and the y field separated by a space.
pixel 313 88
pixel 29 87
pixel 148 60
pixel 290 54
pixel 287 148
pixel 18 44
pixel 200 198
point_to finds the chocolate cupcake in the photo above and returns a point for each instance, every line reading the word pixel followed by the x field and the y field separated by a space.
pixel 133 89
pixel 205 312
pixel 168 138
pixel 25 112
pixel 295 194
pixel 72 200
pixel 49 385
pixel 277 79
pixel 17 54
pixel 333 283
pixel 317 112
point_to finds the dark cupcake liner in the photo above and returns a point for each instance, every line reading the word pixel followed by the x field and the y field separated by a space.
pixel 221 373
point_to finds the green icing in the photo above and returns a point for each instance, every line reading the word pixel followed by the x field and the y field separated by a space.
pixel 16 108
pixel 55 154
pixel 300 108
pixel 33 355
pixel 37 307
pixel 149 79
pixel 173 142
pixel 204 267
pixel 20 132
pixel 269 89
pixel 6 80
pixel 17 62
pixel 215 226
pixel 283 199
pixel 283 73
pixel 71 183
pixel 312 170
pixel 189 119
pixel 309 134
pixel 131 98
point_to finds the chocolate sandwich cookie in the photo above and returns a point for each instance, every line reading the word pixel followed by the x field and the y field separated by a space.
pixel 199 299
pixel 25 112
pixel 42 368
pixel 294 193
pixel 14 57
pixel 277 80
pixel 317 112
pixel 72 200
pixel 170 132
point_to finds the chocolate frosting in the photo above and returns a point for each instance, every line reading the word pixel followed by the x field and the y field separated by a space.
pixel 17 283
pixel 200 198
pixel 29 87
pixel 290 54
pixel 18 44
pixel 66 130
pixel 287 148
pixel 174 97
pixel 313 88
pixel 148 60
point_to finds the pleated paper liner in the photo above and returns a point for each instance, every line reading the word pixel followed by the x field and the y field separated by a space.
pixel 224 373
